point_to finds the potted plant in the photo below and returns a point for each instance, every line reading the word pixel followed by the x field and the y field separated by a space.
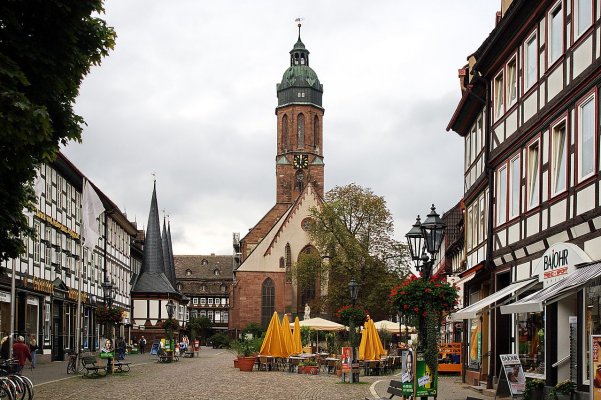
pixel 246 349
pixel 563 390
pixel 534 389
pixel 308 367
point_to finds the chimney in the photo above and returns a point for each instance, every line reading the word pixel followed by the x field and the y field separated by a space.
pixel 504 6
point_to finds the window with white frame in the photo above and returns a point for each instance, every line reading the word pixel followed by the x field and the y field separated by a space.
pixel 502 195
pixel 468 149
pixel 533 176
pixel 475 143
pixel 480 133
pixel 217 301
pixel 514 187
pixel 210 315
pixel 586 138
pixel 559 158
pixel 203 300
pixel 195 300
pixel 225 316
pixel 482 222
pixel 217 316
pixel 583 15
pixel 512 86
pixel 469 232
pixel 475 238
pixel 210 300
pixel 531 62
pixel 555 40
pixel 499 95
pixel 203 313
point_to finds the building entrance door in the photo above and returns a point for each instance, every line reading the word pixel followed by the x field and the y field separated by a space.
pixel 58 350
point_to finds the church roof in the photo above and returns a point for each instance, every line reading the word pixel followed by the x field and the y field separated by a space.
pixel 262 228
pixel 152 278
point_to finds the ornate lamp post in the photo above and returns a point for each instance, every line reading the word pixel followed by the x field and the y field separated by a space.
pixel 425 237
pixel 109 295
pixel 353 287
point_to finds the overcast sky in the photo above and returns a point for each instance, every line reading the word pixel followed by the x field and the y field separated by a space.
pixel 189 93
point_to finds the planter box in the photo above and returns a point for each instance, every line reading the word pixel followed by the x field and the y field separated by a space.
pixel 246 363
pixel 308 369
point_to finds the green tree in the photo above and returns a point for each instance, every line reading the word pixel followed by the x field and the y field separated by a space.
pixel 353 231
pixel 199 326
pixel 46 49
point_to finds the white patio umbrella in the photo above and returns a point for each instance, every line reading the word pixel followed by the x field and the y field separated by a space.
pixel 321 324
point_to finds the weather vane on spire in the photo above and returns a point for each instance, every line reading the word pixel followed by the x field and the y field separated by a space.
pixel 299 24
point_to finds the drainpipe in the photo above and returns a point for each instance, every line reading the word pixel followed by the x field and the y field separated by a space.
pixel 492 356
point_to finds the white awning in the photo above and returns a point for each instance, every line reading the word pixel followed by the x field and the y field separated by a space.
pixel 472 310
pixel 536 302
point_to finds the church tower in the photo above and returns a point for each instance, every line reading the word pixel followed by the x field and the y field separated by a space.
pixel 299 159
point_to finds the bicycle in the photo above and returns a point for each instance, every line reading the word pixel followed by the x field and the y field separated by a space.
pixel 72 367
pixel 13 385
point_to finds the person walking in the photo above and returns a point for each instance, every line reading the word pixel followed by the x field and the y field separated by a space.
pixel 142 343
pixel 5 348
pixel 21 353
pixel 33 348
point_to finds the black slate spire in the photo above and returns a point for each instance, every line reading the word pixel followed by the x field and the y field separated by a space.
pixel 152 277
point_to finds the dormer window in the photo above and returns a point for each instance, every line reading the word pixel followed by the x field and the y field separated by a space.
pixel 203 288
pixel 216 271
pixel 204 261
pixel 188 272
pixel 179 287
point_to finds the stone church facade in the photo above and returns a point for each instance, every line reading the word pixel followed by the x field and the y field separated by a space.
pixel 263 281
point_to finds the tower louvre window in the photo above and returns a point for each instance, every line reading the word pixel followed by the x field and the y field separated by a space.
pixel 301 131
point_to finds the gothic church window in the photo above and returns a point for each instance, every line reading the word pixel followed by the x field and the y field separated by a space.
pixel 316 132
pixel 285 132
pixel 267 301
pixel 301 131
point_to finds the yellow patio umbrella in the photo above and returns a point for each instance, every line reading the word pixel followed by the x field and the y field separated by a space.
pixel 297 346
pixel 272 344
pixel 286 335
pixel 363 346
pixel 377 342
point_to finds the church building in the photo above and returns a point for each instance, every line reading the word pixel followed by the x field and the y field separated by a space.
pixel 263 281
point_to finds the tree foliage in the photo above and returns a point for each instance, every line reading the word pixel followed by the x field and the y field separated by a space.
pixel 353 230
pixel 46 49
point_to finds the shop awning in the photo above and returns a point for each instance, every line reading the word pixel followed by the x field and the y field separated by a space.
pixel 536 302
pixel 472 310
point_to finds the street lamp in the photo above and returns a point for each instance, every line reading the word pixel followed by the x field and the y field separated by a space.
pixel 170 308
pixel 353 288
pixel 109 295
pixel 425 237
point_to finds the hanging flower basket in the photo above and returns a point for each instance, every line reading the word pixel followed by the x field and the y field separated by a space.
pixel 169 324
pixel 416 296
pixel 106 314
pixel 355 313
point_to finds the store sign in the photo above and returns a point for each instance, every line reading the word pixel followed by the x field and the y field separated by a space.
pixel 5 297
pixel 558 262
pixel 514 374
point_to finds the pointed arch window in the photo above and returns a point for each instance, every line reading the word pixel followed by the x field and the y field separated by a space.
pixel 288 258
pixel 267 301
pixel 285 132
pixel 316 132
pixel 308 290
pixel 301 131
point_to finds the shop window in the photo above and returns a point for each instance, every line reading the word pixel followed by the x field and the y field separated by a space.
pixel 592 324
pixel 531 342
pixel 475 344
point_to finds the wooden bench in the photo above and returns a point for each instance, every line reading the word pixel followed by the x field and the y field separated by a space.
pixel 90 366
pixel 121 366
pixel 394 389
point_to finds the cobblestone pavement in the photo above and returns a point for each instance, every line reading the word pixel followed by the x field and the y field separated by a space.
pixel 213 376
